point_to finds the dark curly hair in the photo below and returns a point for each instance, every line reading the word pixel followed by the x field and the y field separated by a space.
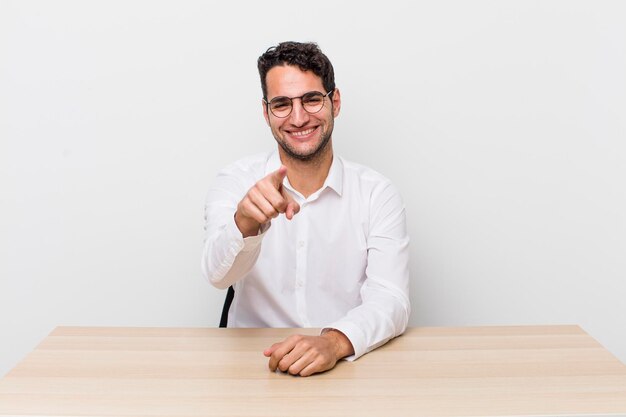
pixel 307 56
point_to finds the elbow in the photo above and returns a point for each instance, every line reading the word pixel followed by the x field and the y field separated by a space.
pixel 220 284
pixel 214 276
pixel 217 281
pixel 403 316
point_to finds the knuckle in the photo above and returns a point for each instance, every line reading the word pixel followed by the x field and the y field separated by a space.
pixel 260 187
pixel 265 184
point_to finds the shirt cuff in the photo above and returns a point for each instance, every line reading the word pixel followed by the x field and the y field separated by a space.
pixel 246 244
pixel 354 334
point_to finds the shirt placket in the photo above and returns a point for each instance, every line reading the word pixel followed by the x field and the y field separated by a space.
pixel 302 240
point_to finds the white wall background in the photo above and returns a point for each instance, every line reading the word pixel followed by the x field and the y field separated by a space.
pixel 502 123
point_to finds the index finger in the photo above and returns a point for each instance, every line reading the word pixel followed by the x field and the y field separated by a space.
pixel 278 350
pixel 278 176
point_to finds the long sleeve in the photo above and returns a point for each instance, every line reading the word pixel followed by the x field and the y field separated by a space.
pixel 227 256
pixel 341 262
pixel 385 308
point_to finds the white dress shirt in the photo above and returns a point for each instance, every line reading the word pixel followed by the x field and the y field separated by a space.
pixel 341 262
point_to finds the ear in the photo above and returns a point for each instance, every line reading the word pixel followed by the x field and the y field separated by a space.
pixel 267 117
pixel 336 102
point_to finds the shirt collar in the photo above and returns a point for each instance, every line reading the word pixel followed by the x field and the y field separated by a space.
pixel 334 180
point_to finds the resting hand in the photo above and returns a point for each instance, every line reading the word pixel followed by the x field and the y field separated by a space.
pixel 263 202
pixel 306 355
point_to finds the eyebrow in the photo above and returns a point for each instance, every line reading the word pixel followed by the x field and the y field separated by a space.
pixel 300 96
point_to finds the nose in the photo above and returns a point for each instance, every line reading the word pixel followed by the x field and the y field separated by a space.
pixel 298 116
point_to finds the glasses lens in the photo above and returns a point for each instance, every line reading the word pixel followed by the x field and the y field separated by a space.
pixel 280 106
pixel 313 101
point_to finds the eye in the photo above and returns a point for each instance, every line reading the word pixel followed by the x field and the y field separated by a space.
pixel 313 99
pixel 280 103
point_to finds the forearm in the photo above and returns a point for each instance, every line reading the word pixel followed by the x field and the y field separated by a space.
pixel 385 307
pixel 227 256
pixel 383 315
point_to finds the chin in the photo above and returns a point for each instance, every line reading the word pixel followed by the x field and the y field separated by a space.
pixel 307 155
pixel 313 149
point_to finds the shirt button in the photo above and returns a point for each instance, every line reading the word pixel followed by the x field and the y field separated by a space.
pixel 301 244
pixel 299 283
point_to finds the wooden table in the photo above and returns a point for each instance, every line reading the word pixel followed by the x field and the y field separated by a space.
pixel 470 371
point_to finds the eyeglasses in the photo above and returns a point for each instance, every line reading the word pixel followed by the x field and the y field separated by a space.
pixel 312 102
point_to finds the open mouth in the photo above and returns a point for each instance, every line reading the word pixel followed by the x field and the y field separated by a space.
pixel 303 134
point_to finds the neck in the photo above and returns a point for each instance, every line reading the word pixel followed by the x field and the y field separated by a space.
pixel 307 177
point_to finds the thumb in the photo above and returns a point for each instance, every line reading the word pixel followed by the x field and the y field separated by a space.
pixel 268 352
pixel 292 207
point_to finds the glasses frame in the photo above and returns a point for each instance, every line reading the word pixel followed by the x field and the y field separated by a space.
pixel 291 99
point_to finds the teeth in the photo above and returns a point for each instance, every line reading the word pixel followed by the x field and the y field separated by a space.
pixel 302 133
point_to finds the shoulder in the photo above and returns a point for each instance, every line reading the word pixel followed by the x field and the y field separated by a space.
pixel 376 193
pixel 364 177
pixel 238 176
pixel 247 170
pixel 249 165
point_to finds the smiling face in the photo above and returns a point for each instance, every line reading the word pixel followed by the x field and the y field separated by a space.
pixel 301 135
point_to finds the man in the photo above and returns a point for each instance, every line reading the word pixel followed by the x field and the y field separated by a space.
pixel 305 238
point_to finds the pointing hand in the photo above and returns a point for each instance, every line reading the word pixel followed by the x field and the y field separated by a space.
pixel 263 202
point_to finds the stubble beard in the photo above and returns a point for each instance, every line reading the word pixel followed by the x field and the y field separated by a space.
pixel 312 156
